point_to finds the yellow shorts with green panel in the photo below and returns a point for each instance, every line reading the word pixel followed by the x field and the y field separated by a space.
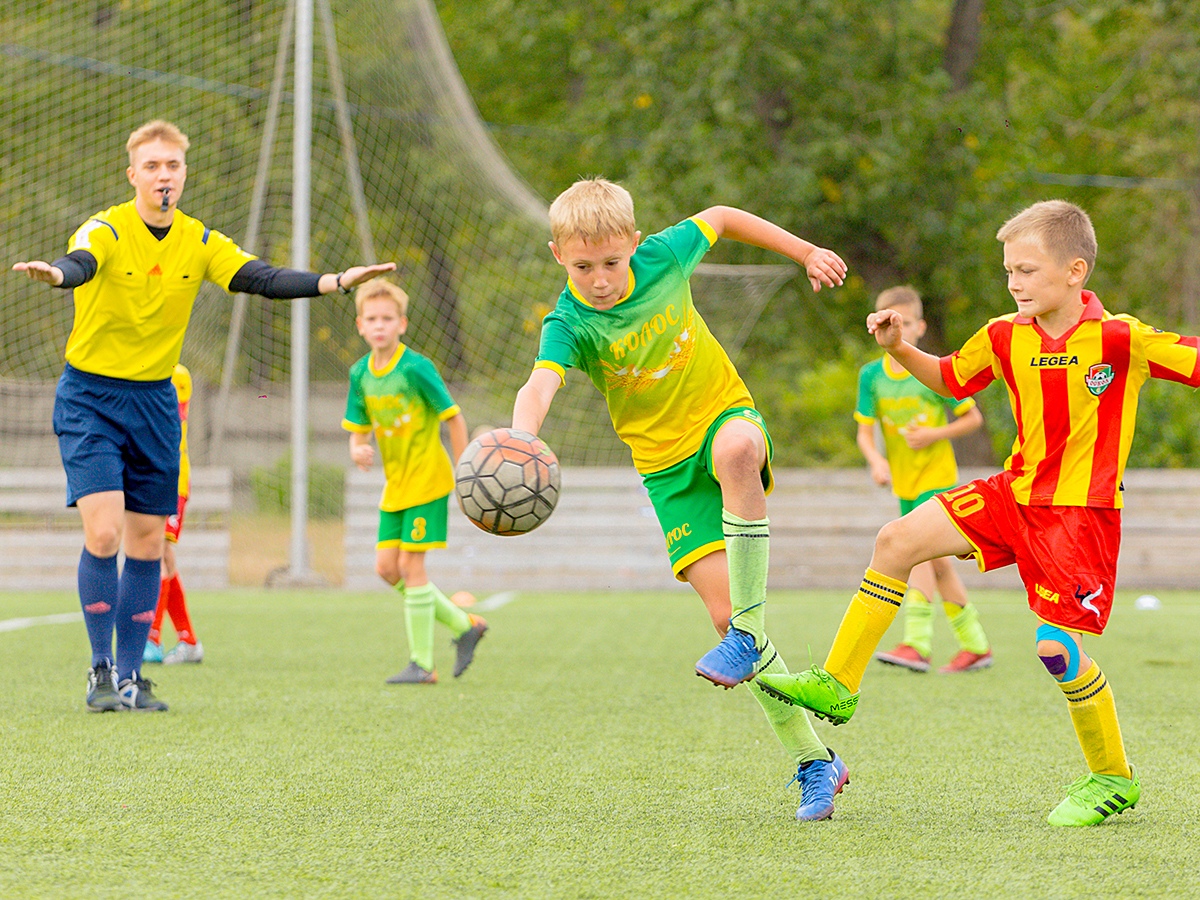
pixel 687 496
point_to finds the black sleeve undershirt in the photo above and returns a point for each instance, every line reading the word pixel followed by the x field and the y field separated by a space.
pixel 273 282
pixel 255 277
pixel 78 267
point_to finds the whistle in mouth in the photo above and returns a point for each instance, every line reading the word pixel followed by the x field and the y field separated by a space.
pixel 165 203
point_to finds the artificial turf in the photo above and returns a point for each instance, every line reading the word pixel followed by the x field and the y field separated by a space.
pixel 578 757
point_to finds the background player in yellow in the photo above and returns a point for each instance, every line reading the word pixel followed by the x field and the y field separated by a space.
pixel 397 396
pixel 135 270
pixel 171 597
pixel 626 319
pixel 917 428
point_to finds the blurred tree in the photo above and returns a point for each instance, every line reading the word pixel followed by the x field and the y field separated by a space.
pixel 902 134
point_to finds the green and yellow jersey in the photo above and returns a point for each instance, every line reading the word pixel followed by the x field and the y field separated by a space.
pixel 662 373
pixel 404 403
pixel 131 317
pixel 889 394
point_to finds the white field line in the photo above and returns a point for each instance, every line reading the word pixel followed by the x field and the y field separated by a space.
pixel 496 601
pixel 58 619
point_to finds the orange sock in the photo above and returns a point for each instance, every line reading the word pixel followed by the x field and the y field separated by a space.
pixel 155 635
pixel 177 607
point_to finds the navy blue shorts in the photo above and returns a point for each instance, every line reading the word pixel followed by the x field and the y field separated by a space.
pixel 119 435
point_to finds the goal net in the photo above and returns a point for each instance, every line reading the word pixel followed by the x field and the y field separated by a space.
pixel 402 170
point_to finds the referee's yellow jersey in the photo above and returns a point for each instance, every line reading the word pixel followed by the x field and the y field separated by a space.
pixel 131 317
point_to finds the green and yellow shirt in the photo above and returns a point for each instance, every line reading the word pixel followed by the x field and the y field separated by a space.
pixel 404 404
pixel 663 375
pixel 890 394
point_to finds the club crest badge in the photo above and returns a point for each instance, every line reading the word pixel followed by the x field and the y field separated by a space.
pixel 1098 378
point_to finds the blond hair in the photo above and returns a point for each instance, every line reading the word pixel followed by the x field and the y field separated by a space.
pixel 901 295
pixel 1063 230
pixel 158 130
pixel 592 209
pixel 380 289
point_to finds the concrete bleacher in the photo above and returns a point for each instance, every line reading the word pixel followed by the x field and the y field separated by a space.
pixel 604 535
pixel 40 538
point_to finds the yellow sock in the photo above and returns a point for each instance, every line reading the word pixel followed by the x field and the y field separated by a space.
pixel 1094 715
pixel 964 620
pixel 870 613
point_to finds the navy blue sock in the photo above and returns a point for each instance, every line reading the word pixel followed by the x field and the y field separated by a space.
pixel 98 597
pixel 137 596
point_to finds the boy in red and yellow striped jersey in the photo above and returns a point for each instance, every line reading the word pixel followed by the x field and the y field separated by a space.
pixel 1073 372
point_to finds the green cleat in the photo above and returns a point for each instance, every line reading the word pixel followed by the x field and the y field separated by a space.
pixel 1093 798
pixel 815 690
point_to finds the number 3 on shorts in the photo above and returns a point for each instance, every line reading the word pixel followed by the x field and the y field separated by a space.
pixel 965 501
pixel 418 529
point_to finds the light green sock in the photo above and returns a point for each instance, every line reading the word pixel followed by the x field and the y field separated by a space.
pixel 747 546
pixel 453 617
pixel 965 622
pixel 418 619
pixel 918 622
pixel 789 723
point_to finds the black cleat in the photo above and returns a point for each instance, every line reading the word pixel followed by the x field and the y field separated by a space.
pixel 466 644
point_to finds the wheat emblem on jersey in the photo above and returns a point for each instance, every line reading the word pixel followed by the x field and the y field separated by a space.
pixel 631 379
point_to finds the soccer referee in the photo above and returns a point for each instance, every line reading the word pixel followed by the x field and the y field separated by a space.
pixel 136 269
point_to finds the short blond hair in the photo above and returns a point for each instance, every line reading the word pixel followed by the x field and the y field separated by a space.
pixel 901 295
pixel 380 289
pixel 158 130
pixel 592 209
pixel 1061 229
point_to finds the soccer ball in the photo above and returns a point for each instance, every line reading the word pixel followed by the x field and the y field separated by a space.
pixel 507 481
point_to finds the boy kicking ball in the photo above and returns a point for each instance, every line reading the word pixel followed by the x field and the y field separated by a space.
pixel 626 319
pixel 1073 371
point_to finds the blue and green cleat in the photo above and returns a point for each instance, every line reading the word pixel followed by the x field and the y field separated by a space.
pixel 820 781
pixel 1093 798
pixel 816 690
pixel 732 661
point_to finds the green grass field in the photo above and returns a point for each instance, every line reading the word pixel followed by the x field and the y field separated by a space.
pixel 579 757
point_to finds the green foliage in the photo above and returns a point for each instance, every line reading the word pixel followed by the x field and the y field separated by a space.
pixel 839 122
pixel 842 125
pixel 271 488
pixel 811 403
pixel 1168 428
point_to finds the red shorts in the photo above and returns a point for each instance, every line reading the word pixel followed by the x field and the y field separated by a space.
pixel 175 522
pixel 1067 555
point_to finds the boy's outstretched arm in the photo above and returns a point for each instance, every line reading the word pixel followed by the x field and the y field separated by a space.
pixel 534 399
pixel 824 267
pixel 925 367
